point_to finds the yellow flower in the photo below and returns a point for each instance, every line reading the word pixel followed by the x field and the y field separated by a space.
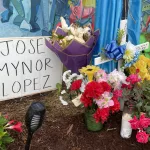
pixel 143 64
pixel 145 59
pixel 140 64
pixel 132 70
pixel 89 71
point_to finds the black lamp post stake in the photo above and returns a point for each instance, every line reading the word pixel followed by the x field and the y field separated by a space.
pixel 34 119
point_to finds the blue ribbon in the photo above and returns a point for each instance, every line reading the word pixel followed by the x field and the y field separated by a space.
pixel 113 51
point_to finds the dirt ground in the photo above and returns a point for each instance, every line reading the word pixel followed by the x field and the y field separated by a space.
pixel 64 128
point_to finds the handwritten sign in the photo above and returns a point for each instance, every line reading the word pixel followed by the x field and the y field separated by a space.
pixel 27 67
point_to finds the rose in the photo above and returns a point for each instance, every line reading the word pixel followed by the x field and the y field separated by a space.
pixel 142 137
pixel 134 123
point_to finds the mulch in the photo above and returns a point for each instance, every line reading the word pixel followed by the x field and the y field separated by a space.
pixel 64 128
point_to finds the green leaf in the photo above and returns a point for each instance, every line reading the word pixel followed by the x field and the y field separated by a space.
pixel 59 87
pixel 138 106
pixel 148 130
pixel 147 108
pixel 2 134
pixel 7 139
pixel 3 121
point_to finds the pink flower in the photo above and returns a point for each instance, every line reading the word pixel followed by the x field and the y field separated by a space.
pixel 133 78
pixel 17 127
pixel 134 123
pixel 117 93
pixel 142 137
pixel 105 101
pixel 10 122
pixel 101 76
pixel 144 122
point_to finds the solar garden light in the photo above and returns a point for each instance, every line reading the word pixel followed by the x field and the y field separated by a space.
pixel 34 119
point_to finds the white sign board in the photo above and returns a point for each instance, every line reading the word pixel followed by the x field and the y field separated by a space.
pixel 27 67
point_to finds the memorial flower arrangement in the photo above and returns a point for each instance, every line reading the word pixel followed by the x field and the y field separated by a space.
pixel 101 95
pixel 73 45
pixel 6 125
pixel 97 91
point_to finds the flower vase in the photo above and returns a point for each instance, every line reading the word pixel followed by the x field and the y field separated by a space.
pixel 126 129
pixel 90 122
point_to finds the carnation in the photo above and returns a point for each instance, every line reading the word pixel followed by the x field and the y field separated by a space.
pixel 133 78
pixel 134 123
pixel 116 106
pixel 101 115
pixel 144 122
pixel 142 137
pixel 76 85
pixel 94 90
pixel 86 100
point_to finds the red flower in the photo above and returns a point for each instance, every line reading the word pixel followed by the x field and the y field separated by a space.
pixel 17 127
pixel 133 78
pixel 76 85
pixel 144 122
pixel 106 86
pixel 10 122
pixel 134 123
pixel 94 90
pixel 117 93
pixel 128 86
pixel 116 106
pixel 101 115
pixel 142 137
pixel 85 100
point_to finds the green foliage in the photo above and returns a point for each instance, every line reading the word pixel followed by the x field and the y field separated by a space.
pixel 143 103
pixel 59 88
pixel 4 136
pixel 120 35
pixel 140 95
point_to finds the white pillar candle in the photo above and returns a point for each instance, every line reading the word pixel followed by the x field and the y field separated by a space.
pixel 126 129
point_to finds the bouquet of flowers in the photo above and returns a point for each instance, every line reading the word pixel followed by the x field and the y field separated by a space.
pixel 102 92
pixel 98 91
pixel 73 45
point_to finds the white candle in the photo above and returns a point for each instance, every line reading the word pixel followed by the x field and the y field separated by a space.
pixel 126 129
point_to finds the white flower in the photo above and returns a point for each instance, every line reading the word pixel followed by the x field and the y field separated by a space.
pixel 116 78
pixel 69 38
pixel 63 101
pixel 65 74
pixel 63 92
pixel 130 52
pixel 80 77
pixel 64 24
pixel 79 40
pixel 82 88
pixel 73 31
pixel 87 30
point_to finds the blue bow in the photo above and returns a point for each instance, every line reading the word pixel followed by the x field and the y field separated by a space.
pixel 113 51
